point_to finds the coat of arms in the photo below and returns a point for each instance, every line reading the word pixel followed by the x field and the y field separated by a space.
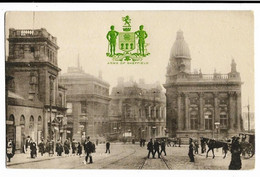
pixel 127 42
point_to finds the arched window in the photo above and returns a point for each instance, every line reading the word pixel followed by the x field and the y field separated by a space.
pixel 223 120
pixel 39 120
pixel 11 120
pixel 194 120
pixel 22 120
pixel 208 120
pixel 31 125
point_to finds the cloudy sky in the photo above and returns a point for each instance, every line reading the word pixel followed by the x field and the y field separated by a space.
pixel 214 38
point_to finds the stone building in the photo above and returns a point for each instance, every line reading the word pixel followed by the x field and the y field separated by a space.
pixel 87 103
pixel 137 110
pixel 34 95
pixel 200 104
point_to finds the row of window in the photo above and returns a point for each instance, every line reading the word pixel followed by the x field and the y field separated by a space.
pixel 22 120
pixel 208 117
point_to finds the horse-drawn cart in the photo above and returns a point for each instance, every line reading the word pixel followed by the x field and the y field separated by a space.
pixel 247 144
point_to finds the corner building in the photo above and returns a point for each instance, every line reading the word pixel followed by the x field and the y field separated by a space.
pixel 200 104
pixel 35 104
pixel 87 103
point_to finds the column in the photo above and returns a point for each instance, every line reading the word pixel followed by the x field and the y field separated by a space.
pixel 201 121
pixel 187 121
pixel 231 112
pixel 179 120
pixel 238 94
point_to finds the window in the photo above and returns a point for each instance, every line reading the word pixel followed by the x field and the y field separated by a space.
pixel 146 112
pixel 22 120
pixel 208 120
pixel 83 107
pixel 223 120
pixel 194 120
pixel 31 125
pixel 39 121
pixel 69 108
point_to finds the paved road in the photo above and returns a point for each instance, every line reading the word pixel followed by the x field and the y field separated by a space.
pixel 130 156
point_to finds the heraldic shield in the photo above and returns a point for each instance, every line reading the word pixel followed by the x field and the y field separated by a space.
pixel 126 41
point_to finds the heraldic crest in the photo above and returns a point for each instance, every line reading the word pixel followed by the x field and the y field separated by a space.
pixel 127 42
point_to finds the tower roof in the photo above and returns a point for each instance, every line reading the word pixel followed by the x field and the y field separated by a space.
pixel 180 48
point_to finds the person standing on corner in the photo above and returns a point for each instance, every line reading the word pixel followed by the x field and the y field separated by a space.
pixel 89 149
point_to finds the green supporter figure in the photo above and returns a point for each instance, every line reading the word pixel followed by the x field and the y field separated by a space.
pixel 142 35
pixel 111 37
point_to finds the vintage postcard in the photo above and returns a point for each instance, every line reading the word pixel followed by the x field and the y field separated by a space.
pixel 141 90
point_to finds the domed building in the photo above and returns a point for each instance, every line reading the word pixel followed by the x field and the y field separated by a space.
pixel 200 104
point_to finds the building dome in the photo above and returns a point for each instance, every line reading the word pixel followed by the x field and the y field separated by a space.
pixel 180 48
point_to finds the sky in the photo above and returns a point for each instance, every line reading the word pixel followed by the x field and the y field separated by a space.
pixel 214 38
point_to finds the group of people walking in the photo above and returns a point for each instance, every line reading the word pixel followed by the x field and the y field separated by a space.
pixel 154 147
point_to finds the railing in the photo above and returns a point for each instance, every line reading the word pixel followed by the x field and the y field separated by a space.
pixel 198 77
pixel 13 33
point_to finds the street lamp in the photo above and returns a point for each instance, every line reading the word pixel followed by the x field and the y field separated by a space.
pixel 217 127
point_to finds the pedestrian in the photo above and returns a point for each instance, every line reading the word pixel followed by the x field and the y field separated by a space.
pixel 9 150
pixel 73 146
pixel 196 144
pixel 150 148
pixel 27 143
pixel 66 147
pixel 203 146
pixel 79 149
pixel 88 149
pixel 108 147
pixel 41 147
pixel 33 149
pixel 51 148
pixel 59 148
pixel 179 142
pixel 96 141
pixel 156 148
pixel 141 142
pixel 191 147
pixel 133 141
pixel 235 163
pixel 163 147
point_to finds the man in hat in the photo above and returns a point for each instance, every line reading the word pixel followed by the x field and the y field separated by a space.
pixel 88 149
pixel 150 148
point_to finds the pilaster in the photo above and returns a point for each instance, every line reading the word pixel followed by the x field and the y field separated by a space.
pixel 201 112
pixel 187 125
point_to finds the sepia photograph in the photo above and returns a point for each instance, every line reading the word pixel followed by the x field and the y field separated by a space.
pixel 130 90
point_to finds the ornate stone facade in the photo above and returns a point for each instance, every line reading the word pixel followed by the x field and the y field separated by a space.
pixel 197 103
pixel 37 96
pixel 87 103
pixel 137 110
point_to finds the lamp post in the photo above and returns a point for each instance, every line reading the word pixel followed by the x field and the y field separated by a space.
pixel 217 127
